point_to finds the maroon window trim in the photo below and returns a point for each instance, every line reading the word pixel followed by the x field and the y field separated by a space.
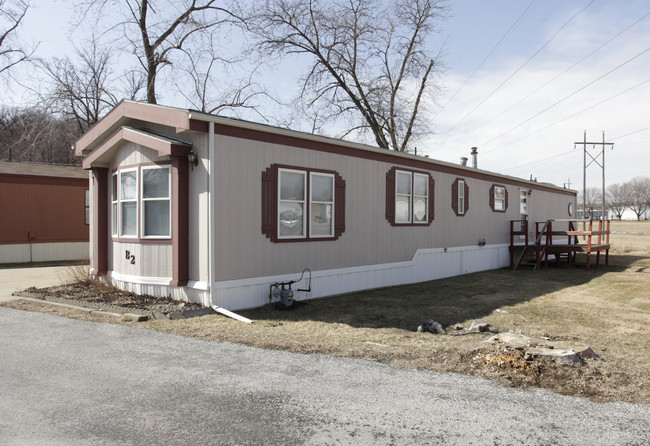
pixel 454 197
pixel 390 197
pixel 270 204
pixel 492 200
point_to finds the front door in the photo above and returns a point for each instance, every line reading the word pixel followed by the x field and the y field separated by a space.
pixel 523 208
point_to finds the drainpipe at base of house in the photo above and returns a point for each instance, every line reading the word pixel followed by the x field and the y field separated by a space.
pixel 212 248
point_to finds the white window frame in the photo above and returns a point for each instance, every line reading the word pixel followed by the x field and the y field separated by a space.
pixel 426 199
pixel 304 201
pixel 143 200
pixel 312 201
pixel 499 203
pixel 87 207
pixel 115 205
pixel 461 197
pixel 122 201
pixel 412 196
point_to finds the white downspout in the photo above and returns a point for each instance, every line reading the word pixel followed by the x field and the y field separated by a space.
pixel 212 249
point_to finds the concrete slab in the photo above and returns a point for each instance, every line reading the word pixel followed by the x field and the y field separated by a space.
pixel 16 279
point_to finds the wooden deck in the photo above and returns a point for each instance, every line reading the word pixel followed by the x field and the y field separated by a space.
pixel 551 241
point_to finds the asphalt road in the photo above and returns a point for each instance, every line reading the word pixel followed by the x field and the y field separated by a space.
pixel 65 382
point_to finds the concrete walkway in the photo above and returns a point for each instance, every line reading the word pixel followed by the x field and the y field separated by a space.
pixel 17 279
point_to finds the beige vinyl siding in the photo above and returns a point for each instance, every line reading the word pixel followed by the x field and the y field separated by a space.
pixel 243 251
pixel 150 260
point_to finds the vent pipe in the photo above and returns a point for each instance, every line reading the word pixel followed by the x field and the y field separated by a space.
pixel 463 161
pixel 474 158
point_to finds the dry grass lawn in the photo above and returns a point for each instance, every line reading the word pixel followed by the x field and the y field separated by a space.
pixel 607 308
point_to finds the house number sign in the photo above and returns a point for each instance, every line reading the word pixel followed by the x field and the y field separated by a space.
pixel 130 257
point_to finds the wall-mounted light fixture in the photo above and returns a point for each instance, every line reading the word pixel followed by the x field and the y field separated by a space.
pixel 193 159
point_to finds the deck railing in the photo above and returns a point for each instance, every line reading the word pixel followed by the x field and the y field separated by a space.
pixel 546 241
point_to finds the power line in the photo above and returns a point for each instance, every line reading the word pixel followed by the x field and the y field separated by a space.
pixel 515 72
pixel 563 72
pixel 568 117
pixel 566 97
pixel 631 133
pixel 538 161
pixel 485 58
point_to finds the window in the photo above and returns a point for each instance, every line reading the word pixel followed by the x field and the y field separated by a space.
pixel 156 203
pixel 114 205
pixel 301 204
pixel 460 197
pixel 322 205
pixel 86 207
pixel 409 197
pixel 498 198
pixel 141 202
pixel 129 203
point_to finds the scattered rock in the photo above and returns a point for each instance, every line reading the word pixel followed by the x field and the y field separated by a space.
pixel 562 352
pixel 476 327
pixel 431 326
pixel 482 327
pixel 560 355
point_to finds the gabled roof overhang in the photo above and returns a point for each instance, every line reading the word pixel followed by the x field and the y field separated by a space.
pixel 165 146
pixel 125 114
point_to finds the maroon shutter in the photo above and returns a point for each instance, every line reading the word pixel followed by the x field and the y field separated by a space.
pixel 432 184
pixel 339 206
pixel 454 196
pixel 492 197
pixel 506 205
pixel 390 196
pixel 269 201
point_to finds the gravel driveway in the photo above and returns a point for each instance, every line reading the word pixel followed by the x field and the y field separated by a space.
pixel 71 382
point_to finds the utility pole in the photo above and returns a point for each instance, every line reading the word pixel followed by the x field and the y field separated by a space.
pixel 594 159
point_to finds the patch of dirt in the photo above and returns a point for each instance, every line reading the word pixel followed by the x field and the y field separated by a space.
pixel 96 292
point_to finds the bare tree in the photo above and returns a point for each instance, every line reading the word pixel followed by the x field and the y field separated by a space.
pixel 12 52
pixel 593 201
pixel 80 89
pixel 370 63
pixel 639 201
pixel 618 197
pixel 155 29
pixel 35 135
pixel 216 83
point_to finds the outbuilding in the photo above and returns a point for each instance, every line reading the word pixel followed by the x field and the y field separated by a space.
pixel 222 211
pixel 44 213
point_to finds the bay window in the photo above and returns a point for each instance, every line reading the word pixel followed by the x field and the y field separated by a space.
pixel 129 203
pixel 156 203
pixel 141 202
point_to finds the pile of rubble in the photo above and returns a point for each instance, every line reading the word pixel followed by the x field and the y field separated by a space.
pixel 561 352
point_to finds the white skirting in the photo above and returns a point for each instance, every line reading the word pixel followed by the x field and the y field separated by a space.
pixel 195 292
pixel 43 252
pixel 426 264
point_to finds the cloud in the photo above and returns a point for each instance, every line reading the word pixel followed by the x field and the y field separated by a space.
pixel 520 131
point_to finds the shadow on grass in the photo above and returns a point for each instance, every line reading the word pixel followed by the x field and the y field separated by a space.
pixel 448 301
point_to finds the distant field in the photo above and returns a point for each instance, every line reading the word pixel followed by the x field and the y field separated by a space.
pixel 630 236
